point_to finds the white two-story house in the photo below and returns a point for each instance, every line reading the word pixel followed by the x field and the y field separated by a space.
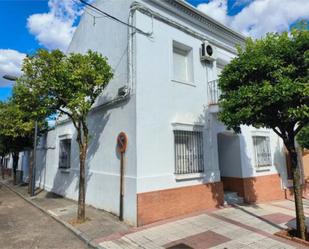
pixel 180 158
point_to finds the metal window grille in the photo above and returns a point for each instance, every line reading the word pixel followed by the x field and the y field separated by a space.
pixel 262 151
pixel 65 153
pixel 188 152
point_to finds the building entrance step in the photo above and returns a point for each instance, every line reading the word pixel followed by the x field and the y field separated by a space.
pixel 232 198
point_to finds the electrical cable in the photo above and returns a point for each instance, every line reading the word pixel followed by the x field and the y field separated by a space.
pixel 113 18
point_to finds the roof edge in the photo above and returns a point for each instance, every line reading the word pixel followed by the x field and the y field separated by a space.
pixel 206 17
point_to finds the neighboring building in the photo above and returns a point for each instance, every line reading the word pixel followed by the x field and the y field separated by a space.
pixel 180 158
pixel 21 168
pixel 7 164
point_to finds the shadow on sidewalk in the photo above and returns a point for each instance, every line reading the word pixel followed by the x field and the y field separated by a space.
pixel 99 224
pixel 239 207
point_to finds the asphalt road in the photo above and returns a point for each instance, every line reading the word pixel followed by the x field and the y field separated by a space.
pixel 23 226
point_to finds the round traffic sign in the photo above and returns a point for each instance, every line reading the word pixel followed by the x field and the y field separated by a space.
pixel 122 142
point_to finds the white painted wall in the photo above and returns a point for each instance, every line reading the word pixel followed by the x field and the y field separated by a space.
pixel 161 101
pixel 232 159
pixel 103 163
pixel 24 158
pixel 247 154
pixel 108 37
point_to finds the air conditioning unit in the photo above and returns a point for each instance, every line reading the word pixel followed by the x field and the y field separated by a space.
pixel 208 52
pixel 123 91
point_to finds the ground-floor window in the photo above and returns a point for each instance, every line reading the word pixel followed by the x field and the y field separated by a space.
pixel 188 152
pixel 65 153
pixel 262 151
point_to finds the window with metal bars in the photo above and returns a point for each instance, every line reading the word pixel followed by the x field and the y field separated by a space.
pixel 188 152
pixel 262 151
pixel 65 154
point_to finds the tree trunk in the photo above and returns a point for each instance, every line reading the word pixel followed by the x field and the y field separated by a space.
pixel 298 193
pixel 82 140
pixel 2 167
pixel 15 165
pixel 30 172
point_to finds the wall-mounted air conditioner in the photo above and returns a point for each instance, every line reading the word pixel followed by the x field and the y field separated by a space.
pixel 208 52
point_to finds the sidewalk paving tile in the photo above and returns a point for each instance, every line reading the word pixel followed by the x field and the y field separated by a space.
pixel 277 218
pixel 201 241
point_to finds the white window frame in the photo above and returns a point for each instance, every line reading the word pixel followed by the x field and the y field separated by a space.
pixel 256 160
pixel 186 51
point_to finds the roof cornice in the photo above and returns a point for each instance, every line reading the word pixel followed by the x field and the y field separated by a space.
pixel 202 20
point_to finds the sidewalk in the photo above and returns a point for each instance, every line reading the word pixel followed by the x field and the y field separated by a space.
pixel 64 210
pixel 236 227
pixel 246 226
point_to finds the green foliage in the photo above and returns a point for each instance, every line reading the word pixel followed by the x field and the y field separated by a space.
pixel 4 149
pixel 303 137
pixel 66 84
pixel 267 84
pixel 16 129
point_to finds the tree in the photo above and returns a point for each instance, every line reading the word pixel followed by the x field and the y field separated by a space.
pixel 303 137
pixel 267 86
pixel 16 131
pixel 55 83
pixel 4 150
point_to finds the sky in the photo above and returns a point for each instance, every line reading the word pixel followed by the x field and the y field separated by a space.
pixel 27 25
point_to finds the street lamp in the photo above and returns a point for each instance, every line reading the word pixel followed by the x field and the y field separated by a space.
pixel 10 77
pixel 14 78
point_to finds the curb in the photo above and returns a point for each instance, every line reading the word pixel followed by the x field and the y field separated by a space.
pixel 72 229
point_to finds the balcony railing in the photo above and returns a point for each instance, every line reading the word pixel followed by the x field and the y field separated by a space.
pixel 213 92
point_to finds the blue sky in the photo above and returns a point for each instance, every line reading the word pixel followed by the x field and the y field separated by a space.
pixel 13 22
pixel 27 25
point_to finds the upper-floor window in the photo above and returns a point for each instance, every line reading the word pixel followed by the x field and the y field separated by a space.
pixel 65 153
pixel 182 63
pixel 188 152
pixel 262 151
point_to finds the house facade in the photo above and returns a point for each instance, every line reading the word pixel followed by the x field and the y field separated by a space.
pixel 22 168
pixel 180 158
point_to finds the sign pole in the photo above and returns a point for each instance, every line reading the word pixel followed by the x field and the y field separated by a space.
pixel 121 187
pixel 122 142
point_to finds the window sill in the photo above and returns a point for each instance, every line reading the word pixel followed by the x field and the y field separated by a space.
pixel 185 83
pixel 191 176
pixel 260 169
pixel 65 170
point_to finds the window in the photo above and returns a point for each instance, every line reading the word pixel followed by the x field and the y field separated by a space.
pixel 65 154
pixel 262 151
pixel 182 63
pixel 188 152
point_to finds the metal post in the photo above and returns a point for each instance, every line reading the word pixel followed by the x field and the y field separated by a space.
pixel 121 187
pixel 34 158
pixel 122 141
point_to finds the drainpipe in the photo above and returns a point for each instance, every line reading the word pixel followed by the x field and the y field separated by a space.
pixel 133 8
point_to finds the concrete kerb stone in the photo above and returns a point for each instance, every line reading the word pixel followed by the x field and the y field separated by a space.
pixel 75 231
